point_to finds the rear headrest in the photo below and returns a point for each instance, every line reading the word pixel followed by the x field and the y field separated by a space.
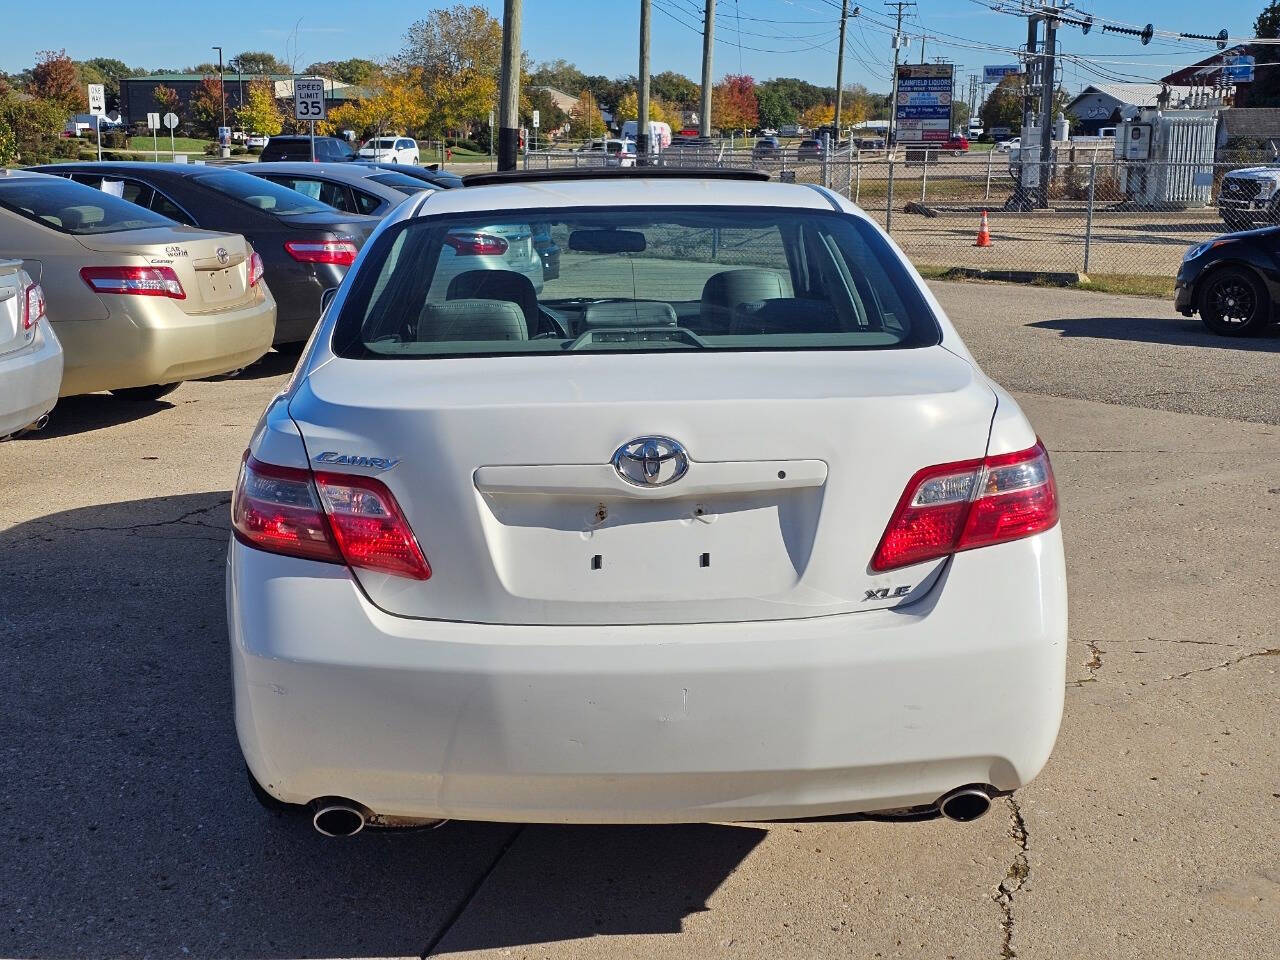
pixel 789 315
pixel 497 285
pixel 75 218
pixel 638 313
pixel 730 287
pixel 262 203
pixel 472 320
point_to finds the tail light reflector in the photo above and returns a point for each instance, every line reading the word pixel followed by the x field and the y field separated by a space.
pixel 341 252
pixel 32 305
pixel 469 243
pixel 139 281
pixel 331 517
pixel 972 503
pixel 255 269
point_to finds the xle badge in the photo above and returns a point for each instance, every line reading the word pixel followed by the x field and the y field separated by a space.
pixel 884 593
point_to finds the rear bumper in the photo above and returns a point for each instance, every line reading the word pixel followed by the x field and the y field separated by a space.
pixel 648 724
pixel 163 346
pixel 29 381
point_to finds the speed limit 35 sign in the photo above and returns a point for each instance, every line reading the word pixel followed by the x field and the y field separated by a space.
pixel 308 99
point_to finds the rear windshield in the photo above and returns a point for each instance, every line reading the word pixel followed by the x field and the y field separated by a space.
pixel 634 280
pixel 74 208
pixel 262 194
pixel 401 182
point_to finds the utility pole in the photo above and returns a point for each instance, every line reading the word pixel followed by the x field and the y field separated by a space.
pixel 509 98
pixel 221 88
pixel 1047 75
pixel 642 96
pixel 844 18
pixel 897 50
pixel 708 45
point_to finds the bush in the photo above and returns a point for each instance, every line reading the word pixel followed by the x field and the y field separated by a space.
pixel 212 149
pixel 466 145
pixel 238 151
pixel 115 140
pixel 254 150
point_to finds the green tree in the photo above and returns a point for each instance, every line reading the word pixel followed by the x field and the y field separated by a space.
pixel 550 116
pixel 354 70
pixel 1003 106
pixel 259 61
pixel 34 127
pixel 587 123
pixel 675 88
pixel 561 74
pixel 261 113
pixel 109 72
pixel 774 109
pixel 1265 89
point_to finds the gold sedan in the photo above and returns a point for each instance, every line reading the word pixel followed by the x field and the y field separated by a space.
pixel 139 302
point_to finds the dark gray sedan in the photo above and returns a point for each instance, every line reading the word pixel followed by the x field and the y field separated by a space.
pixel 349 187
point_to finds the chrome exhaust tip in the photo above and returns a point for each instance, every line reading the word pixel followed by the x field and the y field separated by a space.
pixel 336 817
pixel 40 424
pixel 965 804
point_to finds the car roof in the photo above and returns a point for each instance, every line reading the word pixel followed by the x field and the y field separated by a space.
pixel 637 191
pixel 16 174
pixel 337 171
pixel 139 167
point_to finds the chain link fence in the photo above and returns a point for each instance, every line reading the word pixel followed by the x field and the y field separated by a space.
pixel 1099 215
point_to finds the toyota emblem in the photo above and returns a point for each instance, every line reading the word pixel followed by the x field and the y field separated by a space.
pixel 651 461
pixel 223 256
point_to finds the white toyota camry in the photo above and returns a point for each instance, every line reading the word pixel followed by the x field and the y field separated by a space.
pixel 723 523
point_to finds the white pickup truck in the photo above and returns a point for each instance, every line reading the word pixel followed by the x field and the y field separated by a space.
pixel 1250 196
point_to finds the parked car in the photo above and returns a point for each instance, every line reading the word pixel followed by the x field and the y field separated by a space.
pixel 617 153
pixel 809 149
pixel 957 144
pixel 349 187
pixel 766 148
pixel 869 143
pixel 1232 281
pixel 565 558
pixel 30 354
pixel 306 246
pixel 327 149
pixel 1010 145
pixel 139 302
pixel 430 174
pixel 390 149
pixel 1248 196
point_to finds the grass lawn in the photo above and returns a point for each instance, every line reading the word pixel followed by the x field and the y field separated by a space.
pixel 1138 285
pixel 181 144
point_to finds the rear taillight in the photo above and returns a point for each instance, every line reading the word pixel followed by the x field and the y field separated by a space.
pixel 973 503
pixel 332 517
pixel 341 252
pixel 468 243
pixel 255 269
pixel 32 305
pixel 139 281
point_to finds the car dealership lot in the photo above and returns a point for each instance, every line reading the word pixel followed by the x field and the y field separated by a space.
pixel 1150 833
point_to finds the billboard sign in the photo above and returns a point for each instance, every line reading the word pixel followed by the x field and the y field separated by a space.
pixel 1237 69
pixel 923 110
pixel 996 73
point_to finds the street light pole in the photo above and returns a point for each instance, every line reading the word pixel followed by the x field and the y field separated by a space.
pixel 222 96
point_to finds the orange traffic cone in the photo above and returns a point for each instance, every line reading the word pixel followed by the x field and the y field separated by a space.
pixel 984 235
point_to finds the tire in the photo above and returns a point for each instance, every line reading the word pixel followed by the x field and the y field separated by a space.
pixel 146 394
pixel 1234 302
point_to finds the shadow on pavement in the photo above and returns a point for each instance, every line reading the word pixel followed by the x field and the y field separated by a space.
pixel 279 362
pixel 1174 330
pixel 93 411
pixel 132 829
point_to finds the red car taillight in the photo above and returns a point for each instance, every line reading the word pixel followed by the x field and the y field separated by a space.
pixel 341 252
pixel 331 517
pixel 32 305
pixel 476 244
pixel 255 269
pixel 139 281
pixel 973 503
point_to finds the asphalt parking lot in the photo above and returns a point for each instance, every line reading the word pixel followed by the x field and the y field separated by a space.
pixel 1151 833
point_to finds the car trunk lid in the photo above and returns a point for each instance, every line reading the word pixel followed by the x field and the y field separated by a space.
pixel 13 335
pixel 503 469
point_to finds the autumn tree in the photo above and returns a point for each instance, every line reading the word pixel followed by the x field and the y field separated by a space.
pixel 205 105
pixel 585 117
pixel 629 108
pixel 458 51
pixel 818 115
pixel 394 103
pixel 166 98
pixel 261 113
pixel 733 103
pixel 54 78
pixel 30 128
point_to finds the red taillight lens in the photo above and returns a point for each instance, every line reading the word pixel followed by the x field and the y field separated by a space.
pixel 467 243
pixel 341 252
pixel 332 517
pixel 32 305
pixel 369 527
pixel 139 281
pixel 255 269
pixel 974 503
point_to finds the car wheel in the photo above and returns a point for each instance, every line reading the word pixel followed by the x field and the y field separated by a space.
pixel 145 394
pixel 1234 302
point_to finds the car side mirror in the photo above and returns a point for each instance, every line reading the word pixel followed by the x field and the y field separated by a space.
pixel 326 298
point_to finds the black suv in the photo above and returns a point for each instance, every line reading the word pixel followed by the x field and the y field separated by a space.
pixel 328 149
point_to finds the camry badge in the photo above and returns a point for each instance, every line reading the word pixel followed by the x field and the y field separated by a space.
pixel 651 461
pixel 356 460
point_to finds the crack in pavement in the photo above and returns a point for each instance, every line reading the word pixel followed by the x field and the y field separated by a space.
pixel 1093 665
pixel 1200 643
pixel 1269 652
pixel 1015 879
pixel 471 894
pixel 184 520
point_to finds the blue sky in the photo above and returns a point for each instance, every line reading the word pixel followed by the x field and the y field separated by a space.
pixel 791 37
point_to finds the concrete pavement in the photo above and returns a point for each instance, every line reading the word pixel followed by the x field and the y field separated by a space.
pixel 1151 832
